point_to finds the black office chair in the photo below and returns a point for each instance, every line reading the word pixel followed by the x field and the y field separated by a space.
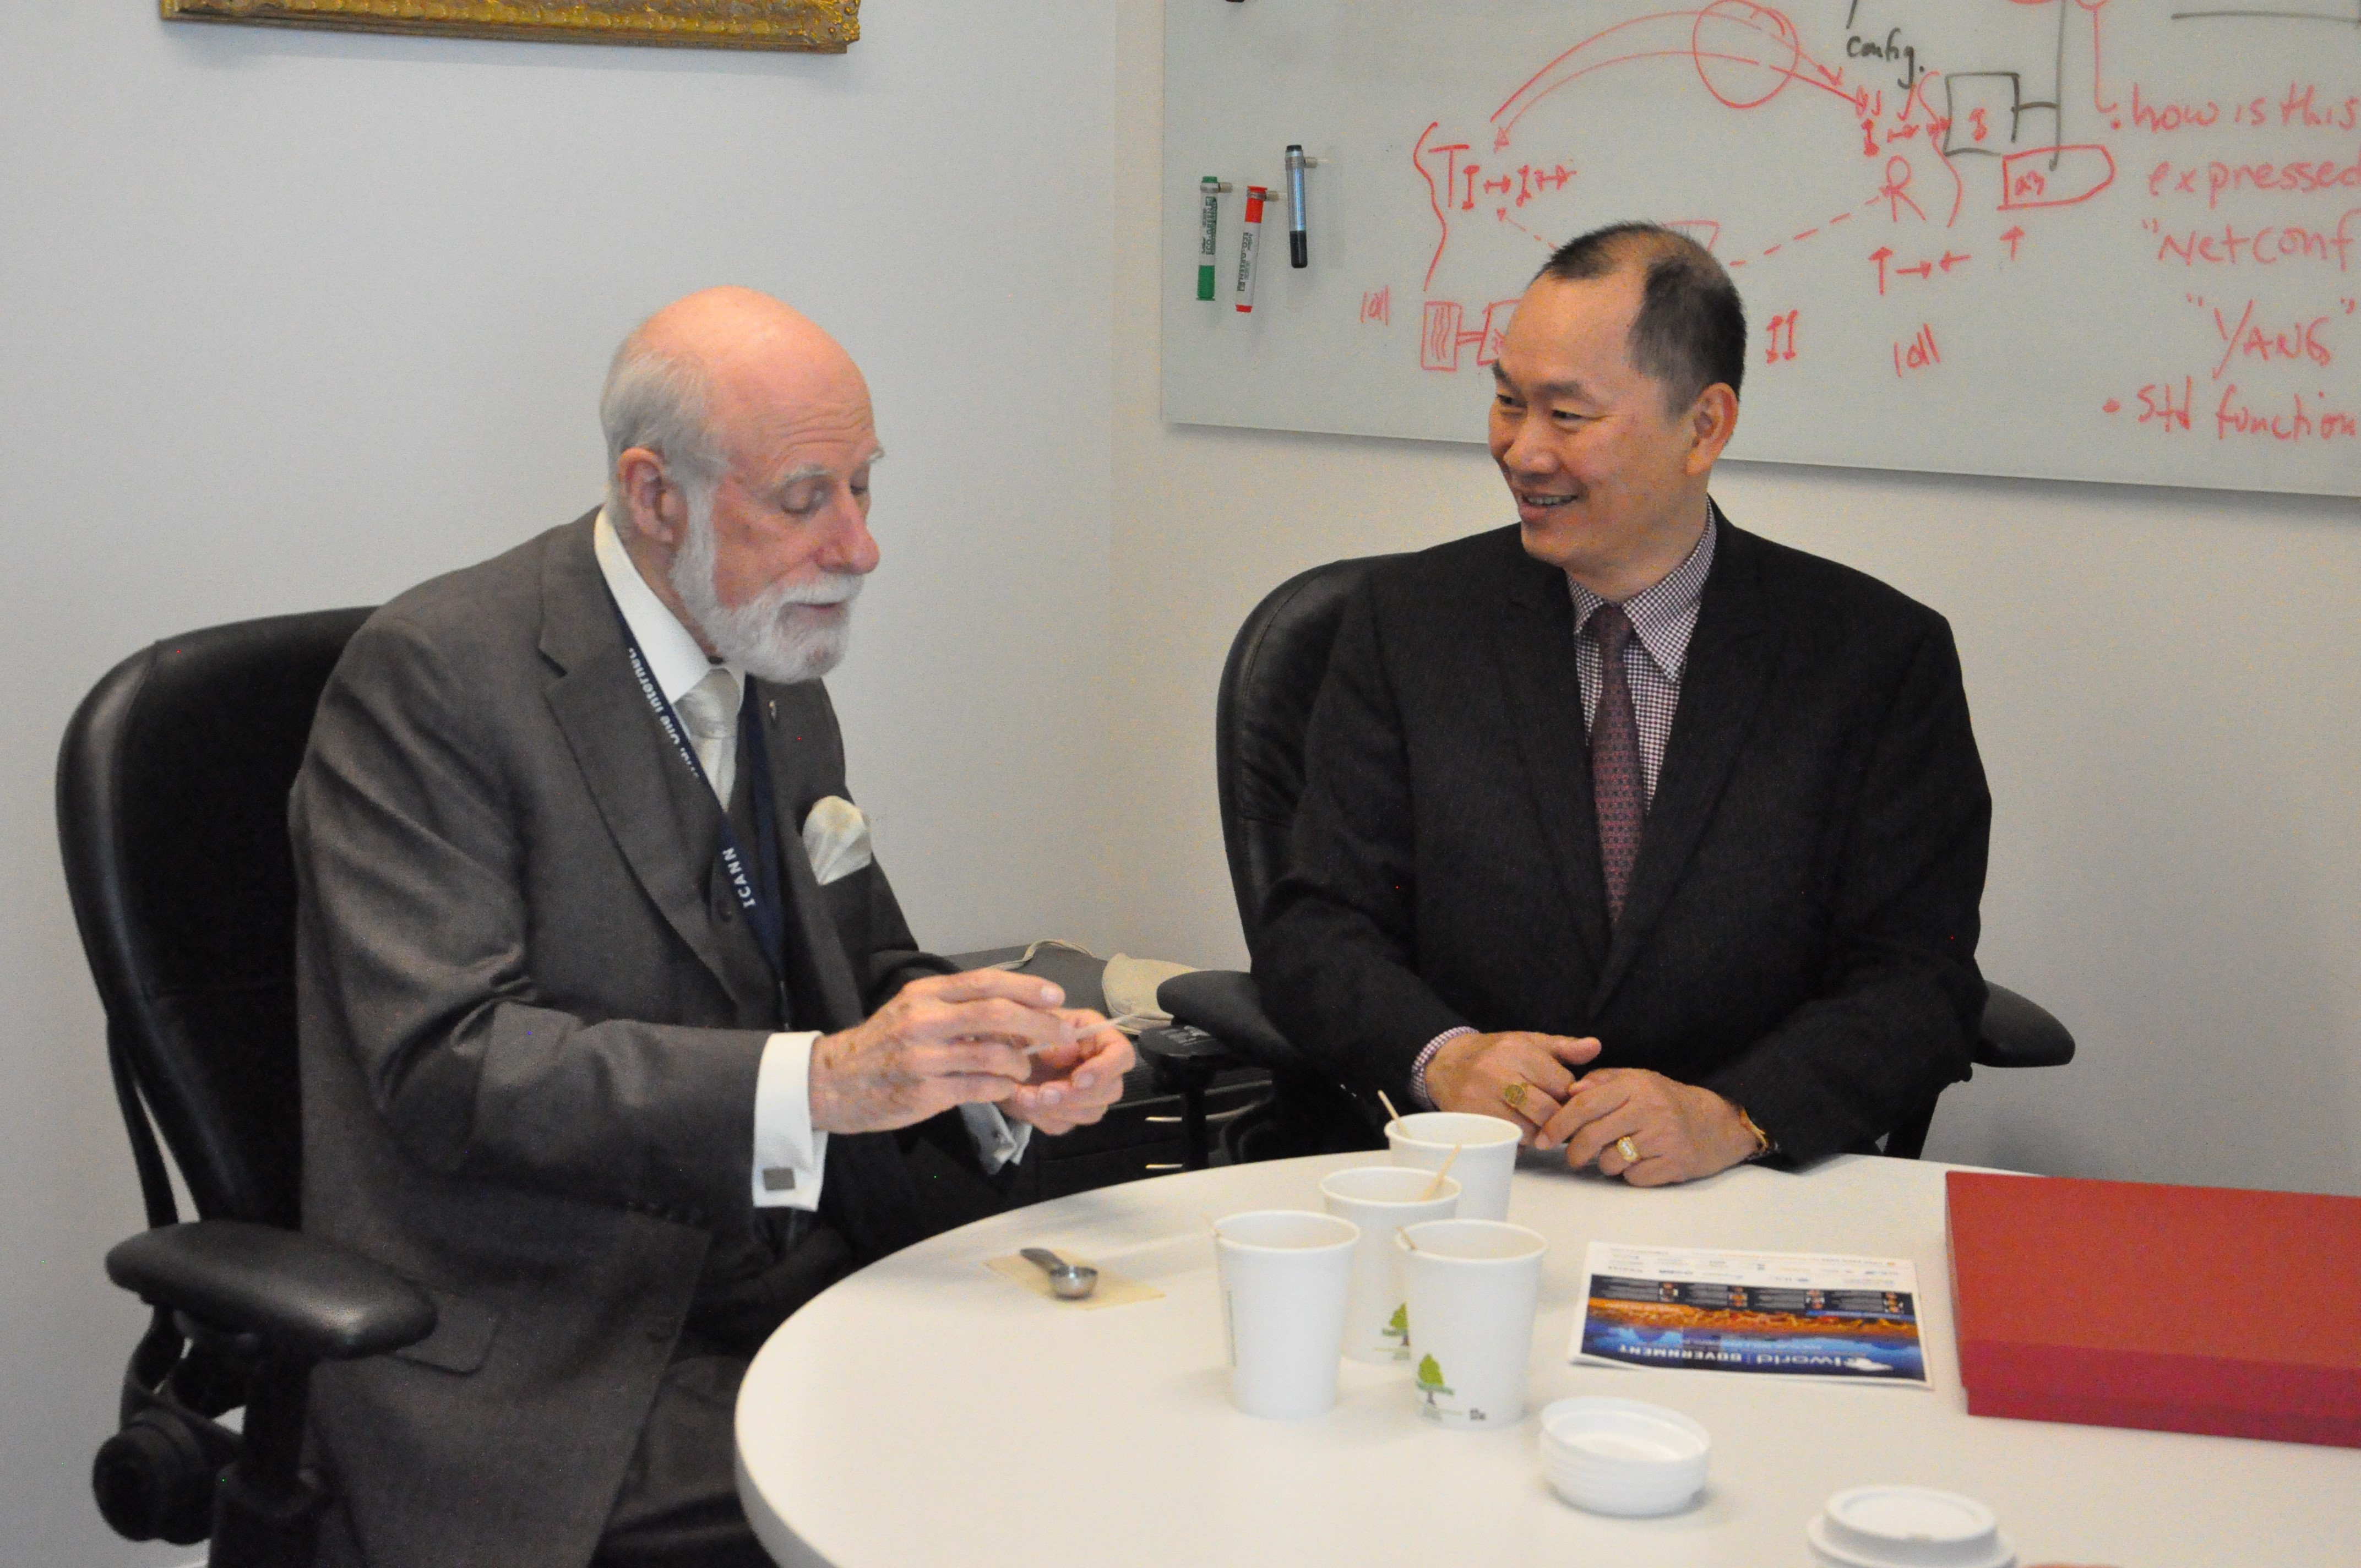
pixel 1274 671
pixel 173 786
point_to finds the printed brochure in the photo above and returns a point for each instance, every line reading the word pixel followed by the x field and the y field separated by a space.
pixel 1853 1319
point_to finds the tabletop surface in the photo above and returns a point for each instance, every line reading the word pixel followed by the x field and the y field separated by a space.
pixel 928 1411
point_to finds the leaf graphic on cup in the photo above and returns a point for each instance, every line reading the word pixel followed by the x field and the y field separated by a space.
pixel 1430 1380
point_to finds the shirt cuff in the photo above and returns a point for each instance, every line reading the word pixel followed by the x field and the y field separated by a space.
pixel 788 1152
pixel 1418 1067
pixel 998 1142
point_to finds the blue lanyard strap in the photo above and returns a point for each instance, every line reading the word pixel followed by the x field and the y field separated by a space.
pixel 757 887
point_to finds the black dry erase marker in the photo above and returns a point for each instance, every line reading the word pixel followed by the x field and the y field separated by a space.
pixel 1299 239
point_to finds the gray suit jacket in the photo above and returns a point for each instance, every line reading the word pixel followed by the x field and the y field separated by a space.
pixel 530 1017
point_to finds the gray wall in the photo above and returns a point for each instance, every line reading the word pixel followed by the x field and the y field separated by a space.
pixel 297 319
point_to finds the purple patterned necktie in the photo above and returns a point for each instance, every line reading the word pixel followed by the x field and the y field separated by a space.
pixel 1618 792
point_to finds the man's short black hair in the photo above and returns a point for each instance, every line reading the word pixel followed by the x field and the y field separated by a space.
pixel 1691 329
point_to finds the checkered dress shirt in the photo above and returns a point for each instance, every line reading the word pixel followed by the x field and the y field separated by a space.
pixel 1663 618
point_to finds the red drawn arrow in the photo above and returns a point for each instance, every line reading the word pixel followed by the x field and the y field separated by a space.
pixel 1880 256
pixel 1924 269
pixel 1950 260
pixel 2011 239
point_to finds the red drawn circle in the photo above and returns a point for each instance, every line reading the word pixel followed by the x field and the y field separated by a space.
pixel 1745 53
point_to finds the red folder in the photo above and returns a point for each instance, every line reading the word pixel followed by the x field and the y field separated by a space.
pixel 2177 1308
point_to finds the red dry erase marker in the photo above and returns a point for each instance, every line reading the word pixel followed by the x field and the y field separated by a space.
pixel 1250 241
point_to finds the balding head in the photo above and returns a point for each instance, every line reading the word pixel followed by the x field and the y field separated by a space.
pixel 739 440
pixel 1690 331
pixel 704 374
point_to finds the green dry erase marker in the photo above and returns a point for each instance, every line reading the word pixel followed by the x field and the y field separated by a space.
pixel 1209 223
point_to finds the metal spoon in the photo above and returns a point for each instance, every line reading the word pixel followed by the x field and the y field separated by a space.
pixel 1068 1281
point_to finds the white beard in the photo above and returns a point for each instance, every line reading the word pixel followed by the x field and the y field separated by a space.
pixel 771 637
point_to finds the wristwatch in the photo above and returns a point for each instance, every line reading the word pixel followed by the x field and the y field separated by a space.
pixel 1764 1145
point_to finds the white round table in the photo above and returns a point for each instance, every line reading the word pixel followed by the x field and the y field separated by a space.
pixel 927 1411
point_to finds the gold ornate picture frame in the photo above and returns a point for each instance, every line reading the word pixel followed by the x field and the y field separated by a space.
pixel 823 26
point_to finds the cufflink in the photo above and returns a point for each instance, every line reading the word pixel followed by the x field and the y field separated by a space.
pixel 778 1178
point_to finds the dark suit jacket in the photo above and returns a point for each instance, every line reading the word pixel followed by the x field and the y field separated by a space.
pixel 1800 930
pixel 530 1019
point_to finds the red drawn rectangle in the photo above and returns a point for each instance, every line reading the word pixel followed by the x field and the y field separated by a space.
pixel 1438 338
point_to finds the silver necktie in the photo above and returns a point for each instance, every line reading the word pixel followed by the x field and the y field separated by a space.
pixel 710 711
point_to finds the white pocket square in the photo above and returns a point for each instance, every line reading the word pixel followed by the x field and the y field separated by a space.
pixel 836 839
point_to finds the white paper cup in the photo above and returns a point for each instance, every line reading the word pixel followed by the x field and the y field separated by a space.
pixel 1472 1285
pixel 1381 1199
pixel 1488 1155
pixel 1284 1275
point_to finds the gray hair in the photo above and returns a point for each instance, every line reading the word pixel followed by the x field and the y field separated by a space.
pixel 661 402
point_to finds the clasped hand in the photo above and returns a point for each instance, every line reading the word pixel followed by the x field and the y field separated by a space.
pixel 1680 1131
pixel 958 1039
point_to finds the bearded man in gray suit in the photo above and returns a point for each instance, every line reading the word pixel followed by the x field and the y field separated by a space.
pixel 614 1036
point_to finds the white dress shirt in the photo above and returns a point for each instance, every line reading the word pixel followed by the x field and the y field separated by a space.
pixel 789 1152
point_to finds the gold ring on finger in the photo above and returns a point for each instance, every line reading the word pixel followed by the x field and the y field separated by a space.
pixel 1513 1095
pixel 1628 1149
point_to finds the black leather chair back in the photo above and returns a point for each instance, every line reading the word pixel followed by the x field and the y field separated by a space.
pixel 173 786
pixel 1274 671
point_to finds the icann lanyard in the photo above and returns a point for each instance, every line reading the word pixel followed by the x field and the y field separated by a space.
pixel 758 893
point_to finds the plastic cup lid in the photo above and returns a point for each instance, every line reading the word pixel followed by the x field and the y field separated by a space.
pixel 1672 1489
pixel 1909 1527
pixel 1609 1497
pixel 1624 1434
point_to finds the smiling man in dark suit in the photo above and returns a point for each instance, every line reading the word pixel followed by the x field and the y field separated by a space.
pixel 613 1034
pixel 1662 840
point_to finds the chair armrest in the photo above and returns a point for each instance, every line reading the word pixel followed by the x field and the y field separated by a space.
pixel 300 1293
pixel 2017 1031
pixel 1227 1004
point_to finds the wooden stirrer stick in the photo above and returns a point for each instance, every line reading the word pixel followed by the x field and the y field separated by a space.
pixel 1435 1185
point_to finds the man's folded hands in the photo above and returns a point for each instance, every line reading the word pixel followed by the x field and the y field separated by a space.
pixel 1642 1126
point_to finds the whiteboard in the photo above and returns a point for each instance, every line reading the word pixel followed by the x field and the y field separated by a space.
pixel 2082 239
